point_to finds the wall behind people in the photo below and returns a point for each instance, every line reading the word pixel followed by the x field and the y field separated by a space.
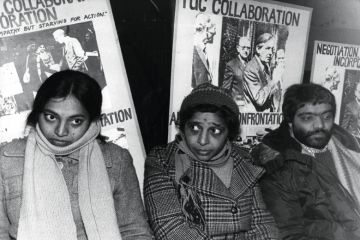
pixel 145 30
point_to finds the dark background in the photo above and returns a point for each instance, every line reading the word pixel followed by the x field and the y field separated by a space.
pixel 145 30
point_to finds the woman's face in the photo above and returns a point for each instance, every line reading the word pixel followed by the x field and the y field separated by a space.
pixel 205 134
pixel 63 121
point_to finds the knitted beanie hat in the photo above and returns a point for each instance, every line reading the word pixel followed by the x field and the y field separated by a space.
pixel 207 93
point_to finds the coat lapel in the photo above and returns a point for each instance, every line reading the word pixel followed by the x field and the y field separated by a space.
pixel 202 57
pixel 245 175
pixel 204 179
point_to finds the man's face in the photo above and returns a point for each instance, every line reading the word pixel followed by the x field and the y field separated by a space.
pixel 312 124
pixel 243 48
pixel 280 57
pixel 41 49
pixel 210 33
pixel 357 92
pixel 87 36
pixel 265 51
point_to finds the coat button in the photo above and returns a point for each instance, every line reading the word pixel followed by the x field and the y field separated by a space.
pixel 234 210
pixel 61 165
pixel 186 179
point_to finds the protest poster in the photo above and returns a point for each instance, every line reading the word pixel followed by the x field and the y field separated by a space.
pixel 41 37
pixel 336 66
pixel 252 49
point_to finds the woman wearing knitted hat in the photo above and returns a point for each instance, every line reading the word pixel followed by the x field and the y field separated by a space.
pixel 201 185
pixel 63 181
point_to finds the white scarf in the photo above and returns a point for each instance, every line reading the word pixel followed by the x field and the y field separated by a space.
pixel 46 210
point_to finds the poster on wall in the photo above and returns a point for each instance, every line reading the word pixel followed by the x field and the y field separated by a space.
pixel 39 38
pixel 252 49
pixel 336 66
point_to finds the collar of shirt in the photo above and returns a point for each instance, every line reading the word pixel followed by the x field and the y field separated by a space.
pixel 309 150
pixel 71 158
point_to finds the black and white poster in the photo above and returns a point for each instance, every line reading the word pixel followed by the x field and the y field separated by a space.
pixel 41 37
pixel 254 50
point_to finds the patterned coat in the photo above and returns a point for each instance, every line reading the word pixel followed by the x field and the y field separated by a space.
pixel 237 212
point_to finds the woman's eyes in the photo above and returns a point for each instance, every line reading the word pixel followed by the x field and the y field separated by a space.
pixel 216 130
pixel 77 121
pixel 194 128
pixel 50 117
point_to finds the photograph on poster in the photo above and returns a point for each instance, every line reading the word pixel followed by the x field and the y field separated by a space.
pixel 336 67
pixel 252 63
pixel 204 32
pixel 350 109
pixel 78 35
pixel 245 47
pixel 28 59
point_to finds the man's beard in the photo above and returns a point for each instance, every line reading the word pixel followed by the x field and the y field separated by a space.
pixel 311 140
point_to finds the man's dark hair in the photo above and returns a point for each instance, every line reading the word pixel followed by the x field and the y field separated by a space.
pixel 297 95
pixel 230 118
pixel 65 83
pixel 263 38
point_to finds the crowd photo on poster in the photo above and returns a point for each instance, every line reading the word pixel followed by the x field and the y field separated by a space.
pixel 29 59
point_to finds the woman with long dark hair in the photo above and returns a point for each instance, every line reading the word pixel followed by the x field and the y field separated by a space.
pixel 63 181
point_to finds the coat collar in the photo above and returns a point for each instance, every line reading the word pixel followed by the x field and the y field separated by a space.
pixel 278 146
pixel 244 176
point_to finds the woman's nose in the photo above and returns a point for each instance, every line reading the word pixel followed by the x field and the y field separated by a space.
pixel 203 138
pixel 61 129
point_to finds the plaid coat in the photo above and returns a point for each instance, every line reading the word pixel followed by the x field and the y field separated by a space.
pixel 237 212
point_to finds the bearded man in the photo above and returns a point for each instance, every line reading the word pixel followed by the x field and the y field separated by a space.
pixel 313 169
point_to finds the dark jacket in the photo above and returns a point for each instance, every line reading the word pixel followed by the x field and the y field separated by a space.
pixel 256 86
pixel 234 77
pixel 237 212
pixel 307 200
pixel 200 69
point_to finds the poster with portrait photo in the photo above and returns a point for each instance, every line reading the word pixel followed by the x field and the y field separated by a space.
pixel 58 35
pixel 245 47
pixel 336 66
pixel 350 107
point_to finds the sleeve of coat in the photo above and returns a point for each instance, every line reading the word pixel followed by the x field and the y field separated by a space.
pixel 262 225
pixel 4 221
pixel 253 87
pixel 283 202
pixel 162 205
pixel 128 203
pixel 228 78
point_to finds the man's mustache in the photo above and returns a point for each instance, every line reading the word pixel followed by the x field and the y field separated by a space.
pixel 309 134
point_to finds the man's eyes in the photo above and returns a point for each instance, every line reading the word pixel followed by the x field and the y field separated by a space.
pixel 327 116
